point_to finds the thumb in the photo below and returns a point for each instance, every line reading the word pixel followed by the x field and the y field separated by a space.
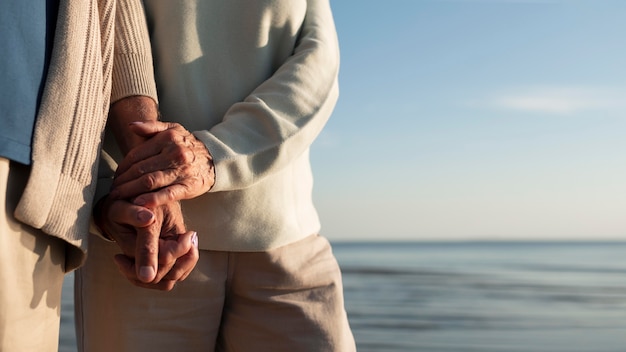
pixel 146 253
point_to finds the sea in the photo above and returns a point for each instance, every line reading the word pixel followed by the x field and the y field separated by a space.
pixel 474 296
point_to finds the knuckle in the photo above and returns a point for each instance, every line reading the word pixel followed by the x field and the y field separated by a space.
pixel 149 249
pixel 149 181
pixel 131 155
pixel 171 134
pixel 170 194
pixel 180 155
pixel 187 156
pixel 140 169
pixel 176 126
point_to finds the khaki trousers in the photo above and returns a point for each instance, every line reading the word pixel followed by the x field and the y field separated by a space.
pixel 31 274
pixel 287 299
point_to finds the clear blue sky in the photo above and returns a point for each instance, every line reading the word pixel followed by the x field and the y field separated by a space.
pixel 474 119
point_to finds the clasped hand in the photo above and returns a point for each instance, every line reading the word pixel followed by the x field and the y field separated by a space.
pixel 142 212
pixel 170 165
pixel 156 250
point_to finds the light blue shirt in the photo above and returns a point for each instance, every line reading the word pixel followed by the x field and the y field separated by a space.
pixel 26 36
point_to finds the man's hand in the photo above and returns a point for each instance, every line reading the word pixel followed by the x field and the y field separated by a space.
pixel 171 165
pixel 173 266
pixel 157 252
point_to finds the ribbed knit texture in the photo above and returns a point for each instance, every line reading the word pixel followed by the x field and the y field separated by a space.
pixel 70 124
pixel 132 71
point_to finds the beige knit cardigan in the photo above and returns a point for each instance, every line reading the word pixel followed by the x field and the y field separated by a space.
pixel 91 54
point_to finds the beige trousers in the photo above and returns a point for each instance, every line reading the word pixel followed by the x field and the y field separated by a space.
pixel 287 299
pixel 31 274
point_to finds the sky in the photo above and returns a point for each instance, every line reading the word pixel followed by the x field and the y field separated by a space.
pixel 476 120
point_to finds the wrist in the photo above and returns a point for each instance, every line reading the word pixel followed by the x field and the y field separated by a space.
pixel 128 110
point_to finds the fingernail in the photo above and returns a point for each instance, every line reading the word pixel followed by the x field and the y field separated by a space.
pixel 146 273
pixel 136 123
pixel 194 239
pixel 144 216
pixel 139 201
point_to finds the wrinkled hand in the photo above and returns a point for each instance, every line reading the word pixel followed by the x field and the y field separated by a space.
pixel 171 165
pixel 157 252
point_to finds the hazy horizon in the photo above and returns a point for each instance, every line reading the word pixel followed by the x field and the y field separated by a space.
pixel 497 119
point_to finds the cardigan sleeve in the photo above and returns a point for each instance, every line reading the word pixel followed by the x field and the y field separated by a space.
pixel 279 120
pixel 132 75
pixel 132 67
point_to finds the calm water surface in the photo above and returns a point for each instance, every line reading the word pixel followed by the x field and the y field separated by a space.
pixel 479 296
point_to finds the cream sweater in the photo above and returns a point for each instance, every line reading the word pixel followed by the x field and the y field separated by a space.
pixel 72 115
pixel 256 81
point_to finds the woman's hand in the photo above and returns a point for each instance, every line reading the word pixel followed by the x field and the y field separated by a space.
pixel 171 165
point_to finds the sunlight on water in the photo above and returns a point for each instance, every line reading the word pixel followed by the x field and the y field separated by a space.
pixel 485 296
pixel 475 297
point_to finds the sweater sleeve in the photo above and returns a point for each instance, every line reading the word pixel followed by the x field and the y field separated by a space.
pixel 280 119
pixel 132 67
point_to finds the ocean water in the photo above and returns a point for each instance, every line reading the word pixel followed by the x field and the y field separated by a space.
pixel 475 296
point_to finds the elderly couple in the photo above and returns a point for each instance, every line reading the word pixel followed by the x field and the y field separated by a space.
pixel 191 222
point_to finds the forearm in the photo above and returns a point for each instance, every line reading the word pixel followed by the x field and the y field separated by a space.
pixel 280 119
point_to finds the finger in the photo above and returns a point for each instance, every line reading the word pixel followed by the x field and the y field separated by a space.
pixel 192 256
pixel 146 252
pixel 184 266
pixel 173 221
pixel 129 214
pixel 181 269
pixel 162 271
pixel 145 150
pixel 123 218
pixel 163 196
pixel 144 184
pixel 152 147
pixel 170 255
pixel 158 162
pixel 170 251
pixel 126 267
pixel 186 261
